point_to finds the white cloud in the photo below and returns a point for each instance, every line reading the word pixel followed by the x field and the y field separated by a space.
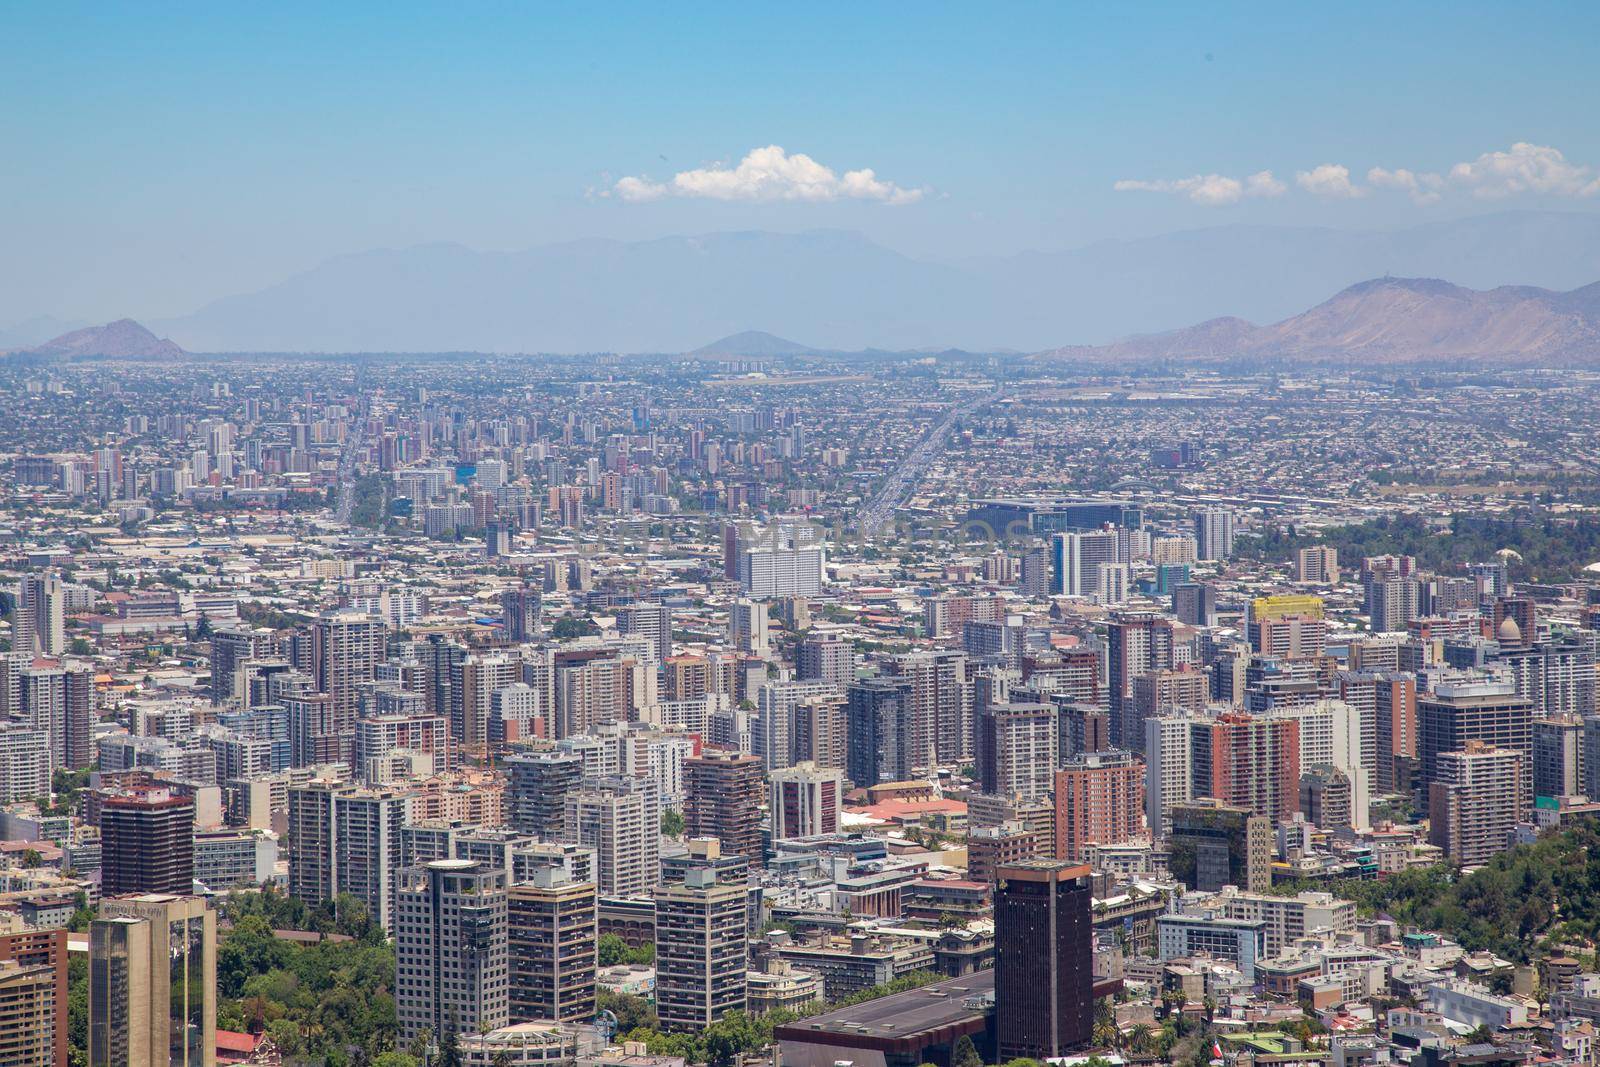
pixel 1211 190
pixel 769 174
pixel 1422 188
pixel 1331 180
pixel 1525 168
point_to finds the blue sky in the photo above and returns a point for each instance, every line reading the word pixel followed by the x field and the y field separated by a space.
pixel 158 158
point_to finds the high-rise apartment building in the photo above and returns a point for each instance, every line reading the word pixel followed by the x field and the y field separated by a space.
pixel 722 799
pixel 451 958
pixel 1249 761
pixel 1213 533
pixel 147 843
pixel 1044 960
pixel 878 729
pixel 346 647
pixel 620 818
pixel 59 702
pixel 826 659
pixel 231 646
pixel 1099 800
pixel 153 982
pixel 750 628
pixel 520 608
pixel 1558 753
pixel 941 699
pixel 39 625
pixel 536 793
pixel 651 621
pixel 1287 627
pixel 1475 801
pixel 33 996
pixel 1075 560
pixel 1136 643
pixel 1317 565
pixel 701 931
pixel 346 839
pixel 1169 769
pixel 804 801
pixel 1329 735
pixel 552 930
pixel 786 558
pixel 1017 747
pixel 28 1027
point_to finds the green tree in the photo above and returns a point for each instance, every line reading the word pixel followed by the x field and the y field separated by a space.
pixel 611 950
pixel 964 1053
pixel 672 824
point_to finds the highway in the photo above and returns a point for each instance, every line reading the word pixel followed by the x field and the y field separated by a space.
pixel 897 490
pixel 346 479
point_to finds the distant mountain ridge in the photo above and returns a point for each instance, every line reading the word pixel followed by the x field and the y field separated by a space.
pixel 754 343
pixel 123 339
pixel 844 293
pixel 1389 321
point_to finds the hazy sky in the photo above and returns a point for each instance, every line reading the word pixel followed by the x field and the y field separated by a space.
pixel 151 161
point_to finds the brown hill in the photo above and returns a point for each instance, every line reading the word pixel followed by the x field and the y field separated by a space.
pixel 1391 320
pixel 123 339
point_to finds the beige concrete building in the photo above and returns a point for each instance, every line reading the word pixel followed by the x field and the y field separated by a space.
pixel 153 983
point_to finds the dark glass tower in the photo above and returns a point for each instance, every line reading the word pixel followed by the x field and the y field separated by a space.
pixel 1044 959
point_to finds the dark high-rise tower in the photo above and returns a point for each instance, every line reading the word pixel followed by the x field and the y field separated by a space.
pixel 147 844
pixel 1044 959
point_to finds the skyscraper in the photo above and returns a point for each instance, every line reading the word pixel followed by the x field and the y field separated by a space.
pixel 153 982
pixel 452 968
pixel 1213 533
pixel 40 621
pixel 1017 748
pixel 1137 643
pixel 1099 800
pixel 722 799
pixel 1044 960
pixel 536 795
pixel 877 731
pixel 147 843
pixel 346 647
pixel 701 931
pixel 1475 801
pixel 551 922
pixel 520 610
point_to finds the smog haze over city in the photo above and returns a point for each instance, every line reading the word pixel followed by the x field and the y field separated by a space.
pixel 800 536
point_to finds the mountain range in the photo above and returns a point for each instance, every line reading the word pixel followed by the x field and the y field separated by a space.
pixel 1389 320
pixel 1381 321
pixel 843 292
